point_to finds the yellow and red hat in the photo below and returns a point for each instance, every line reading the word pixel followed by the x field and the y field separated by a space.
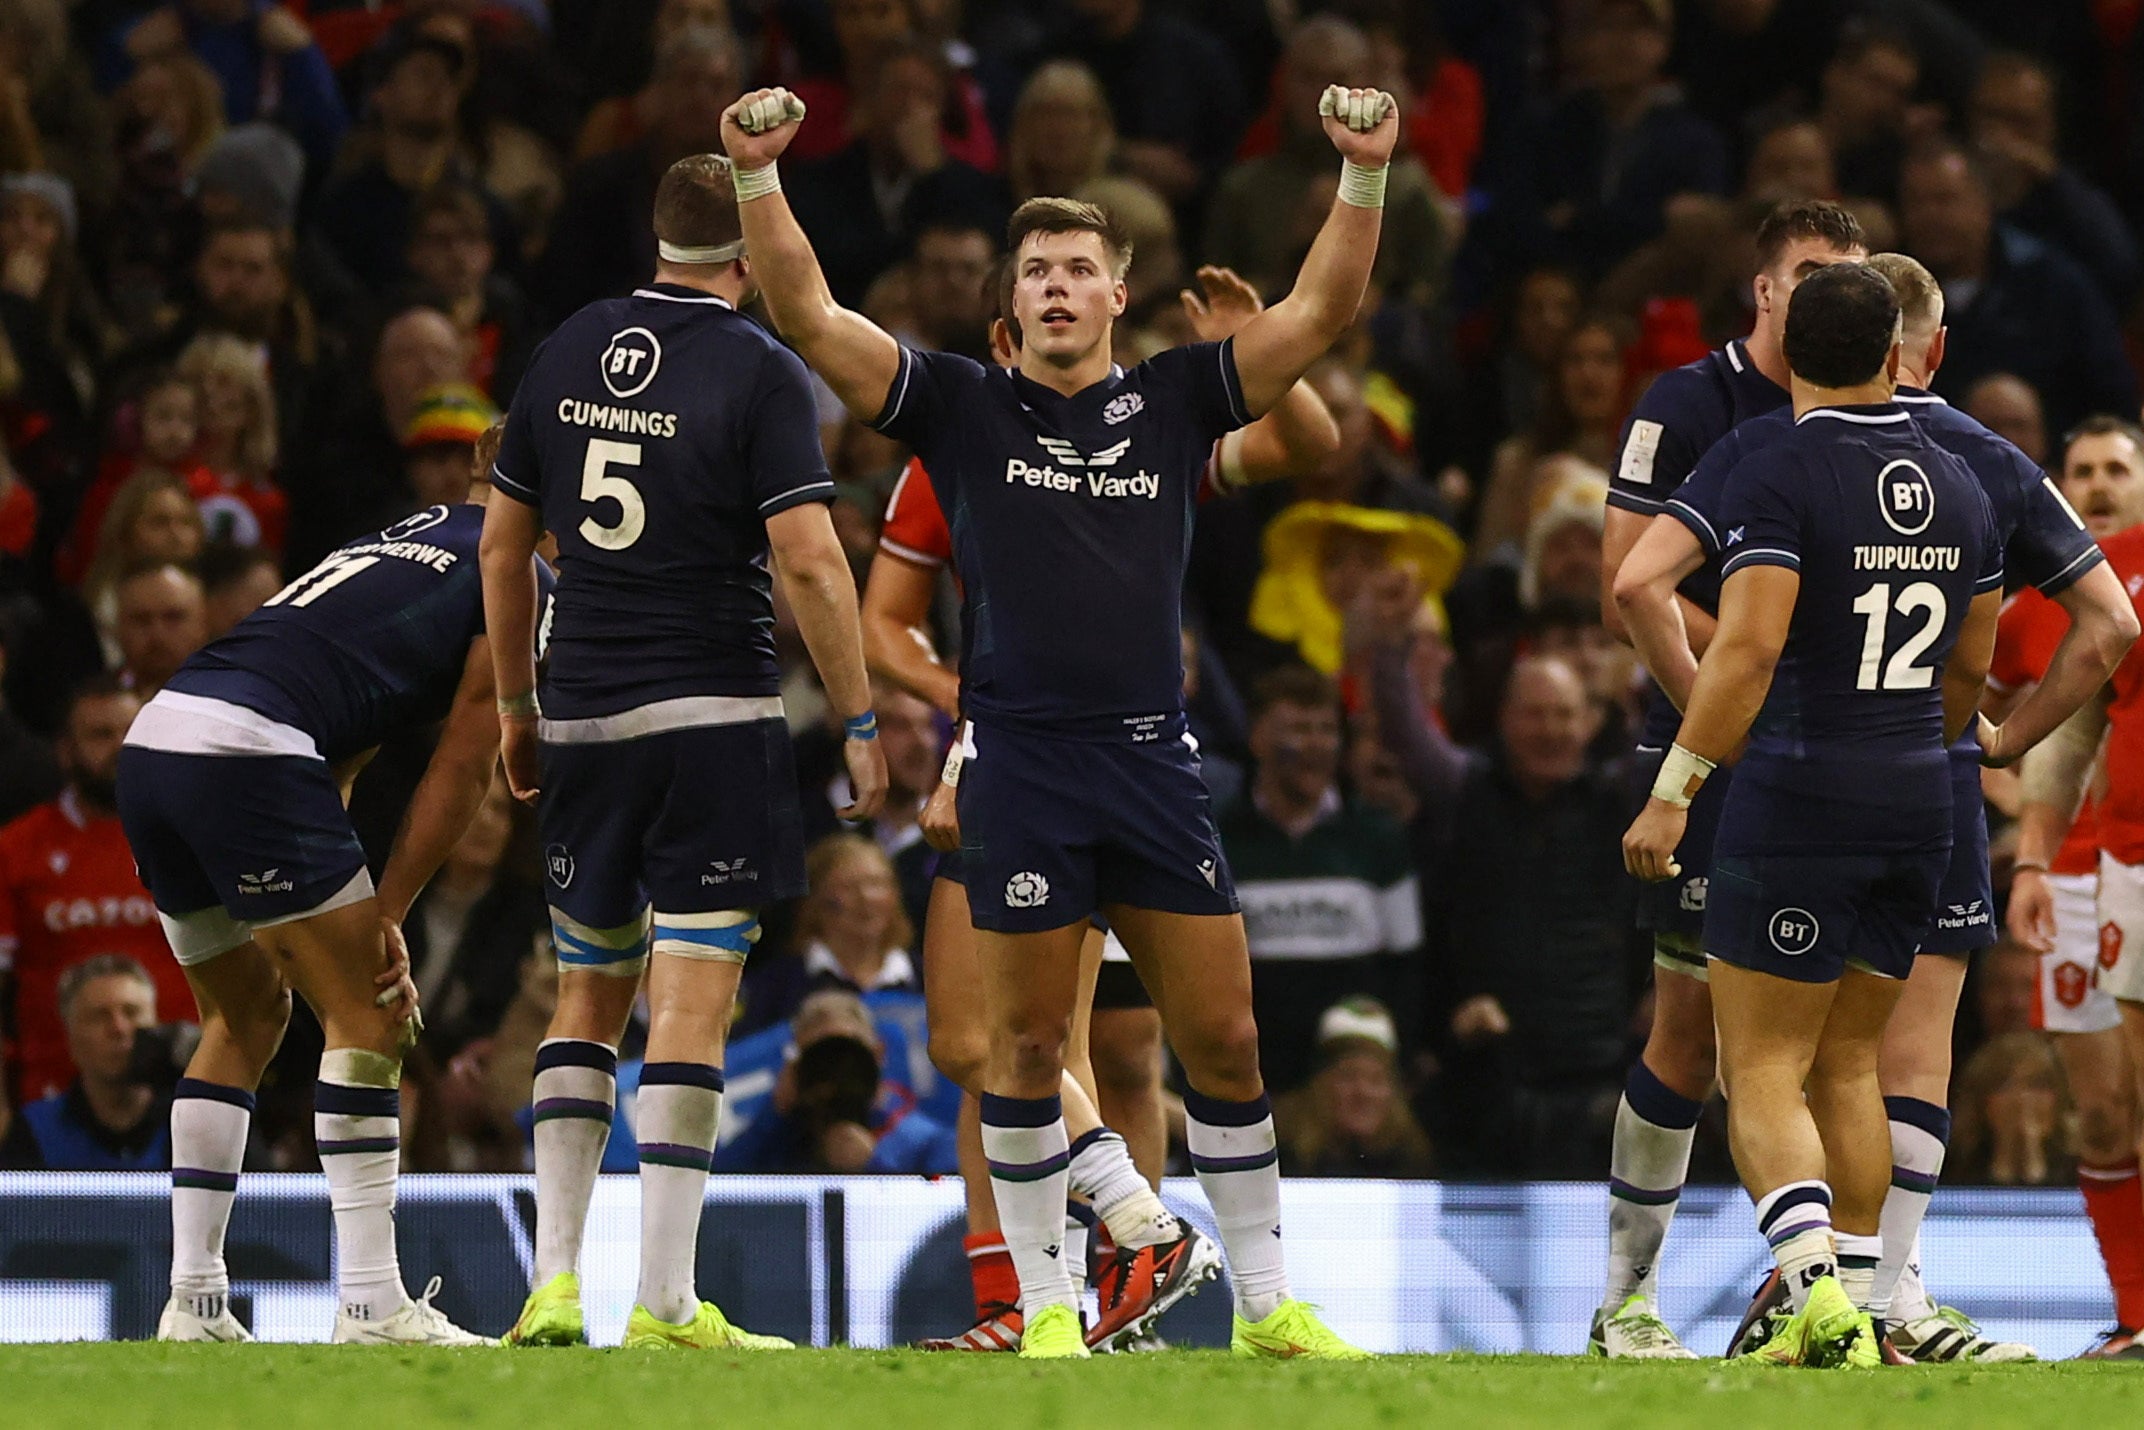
pixel 454 414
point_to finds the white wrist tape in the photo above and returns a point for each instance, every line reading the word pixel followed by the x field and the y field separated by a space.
pixel 1672 786
pixel 1360 186
pixel 955 758
pixel 756 183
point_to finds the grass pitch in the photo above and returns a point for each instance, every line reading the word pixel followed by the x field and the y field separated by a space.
pixel 199 1386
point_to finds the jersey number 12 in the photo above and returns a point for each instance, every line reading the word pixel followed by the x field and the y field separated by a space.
pixel 1901 672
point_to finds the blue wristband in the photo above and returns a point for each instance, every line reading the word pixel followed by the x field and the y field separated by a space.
pixel 862 727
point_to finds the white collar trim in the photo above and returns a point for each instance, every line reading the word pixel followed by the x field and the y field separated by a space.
pixel 1870 419
pixel 680 298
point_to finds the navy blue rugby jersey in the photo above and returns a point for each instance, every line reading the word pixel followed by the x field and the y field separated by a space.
pixel 1893 538
pixel 656 434
pixel 1071 521
pixel 2045 544
pixel 370 642
pixel 1675 423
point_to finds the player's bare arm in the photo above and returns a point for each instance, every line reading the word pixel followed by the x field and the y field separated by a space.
pixel 1965 674
pixel 814 572
pixel 897 643
pixel 2055 774
pixel 505 556
pixel 2103 626
pixel 1620 531
pixel 455 782
pixel 1299 432
pixel 856 357
pixel 1653 616
pixel 1756 608
pixel 1278 346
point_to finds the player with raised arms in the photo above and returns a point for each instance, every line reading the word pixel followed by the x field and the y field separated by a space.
pixel 1158 1259
pixel 232 787
pixel 1069 485
pixel 2046 547
pixel 1860 585
pixel 1674 424
pixel 669 443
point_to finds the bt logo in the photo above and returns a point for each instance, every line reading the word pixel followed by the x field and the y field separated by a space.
pixel 1793 931
pixel 631 361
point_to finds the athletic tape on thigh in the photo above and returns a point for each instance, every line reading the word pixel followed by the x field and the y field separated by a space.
pixel 622 950
pixel 724 936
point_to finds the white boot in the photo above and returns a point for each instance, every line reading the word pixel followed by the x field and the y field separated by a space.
pixel 418 1323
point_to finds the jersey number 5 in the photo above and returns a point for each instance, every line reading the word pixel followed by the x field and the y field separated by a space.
pixel 1901 672
pixel 598 483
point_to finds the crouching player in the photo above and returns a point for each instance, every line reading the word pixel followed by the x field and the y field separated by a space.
pixel 1837 833
pixel 232 787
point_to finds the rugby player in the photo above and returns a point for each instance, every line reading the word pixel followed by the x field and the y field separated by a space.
pixel 669 444
pixel 1069 485
pixel 2055 889
pixel 2047 546
pixel 1157 1260
pixel 1677 420
pixel 1836 835
pixel 232 787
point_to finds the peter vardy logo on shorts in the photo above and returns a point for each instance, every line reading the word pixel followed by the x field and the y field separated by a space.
pixel 1965 916
pixel 1123 407
pixel 1027 890
pixel 729 871
pixel 268 881
pixel 1693 894
pixel 630 362
pixel 558 866
pixel 1094 484
pixel 1793 931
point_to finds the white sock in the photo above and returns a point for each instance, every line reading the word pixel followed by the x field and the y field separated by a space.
pixel 357 1125
pixel 1919 1134
pixel 1796 1221
pixel 1237 1159
pixel 1858 1256
pixel 1650 1157
pixel 1025 1143
pixel 676 1117
pixel 208 1146
pixel 1102 1172
pixel 576 1090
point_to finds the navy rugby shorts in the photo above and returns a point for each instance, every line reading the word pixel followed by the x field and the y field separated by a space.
pixel 1676 907
pixel 690 820
pixel 1965 907
pixel 1052 829
pixel 263 838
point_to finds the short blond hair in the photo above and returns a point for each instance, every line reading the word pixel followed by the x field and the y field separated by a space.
pixel 1920 297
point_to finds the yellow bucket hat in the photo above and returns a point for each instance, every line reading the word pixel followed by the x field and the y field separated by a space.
pixel 1289 603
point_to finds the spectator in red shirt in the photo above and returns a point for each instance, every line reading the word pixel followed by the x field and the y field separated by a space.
pixel 68 892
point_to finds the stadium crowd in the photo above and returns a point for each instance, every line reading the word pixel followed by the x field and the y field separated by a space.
pixel 268 271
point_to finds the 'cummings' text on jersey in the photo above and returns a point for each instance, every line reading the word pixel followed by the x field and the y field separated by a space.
pixel 1071 521
pixel 657 479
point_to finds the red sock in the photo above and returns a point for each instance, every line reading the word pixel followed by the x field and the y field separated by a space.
pixel 2114 1199
pixel 996 1282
